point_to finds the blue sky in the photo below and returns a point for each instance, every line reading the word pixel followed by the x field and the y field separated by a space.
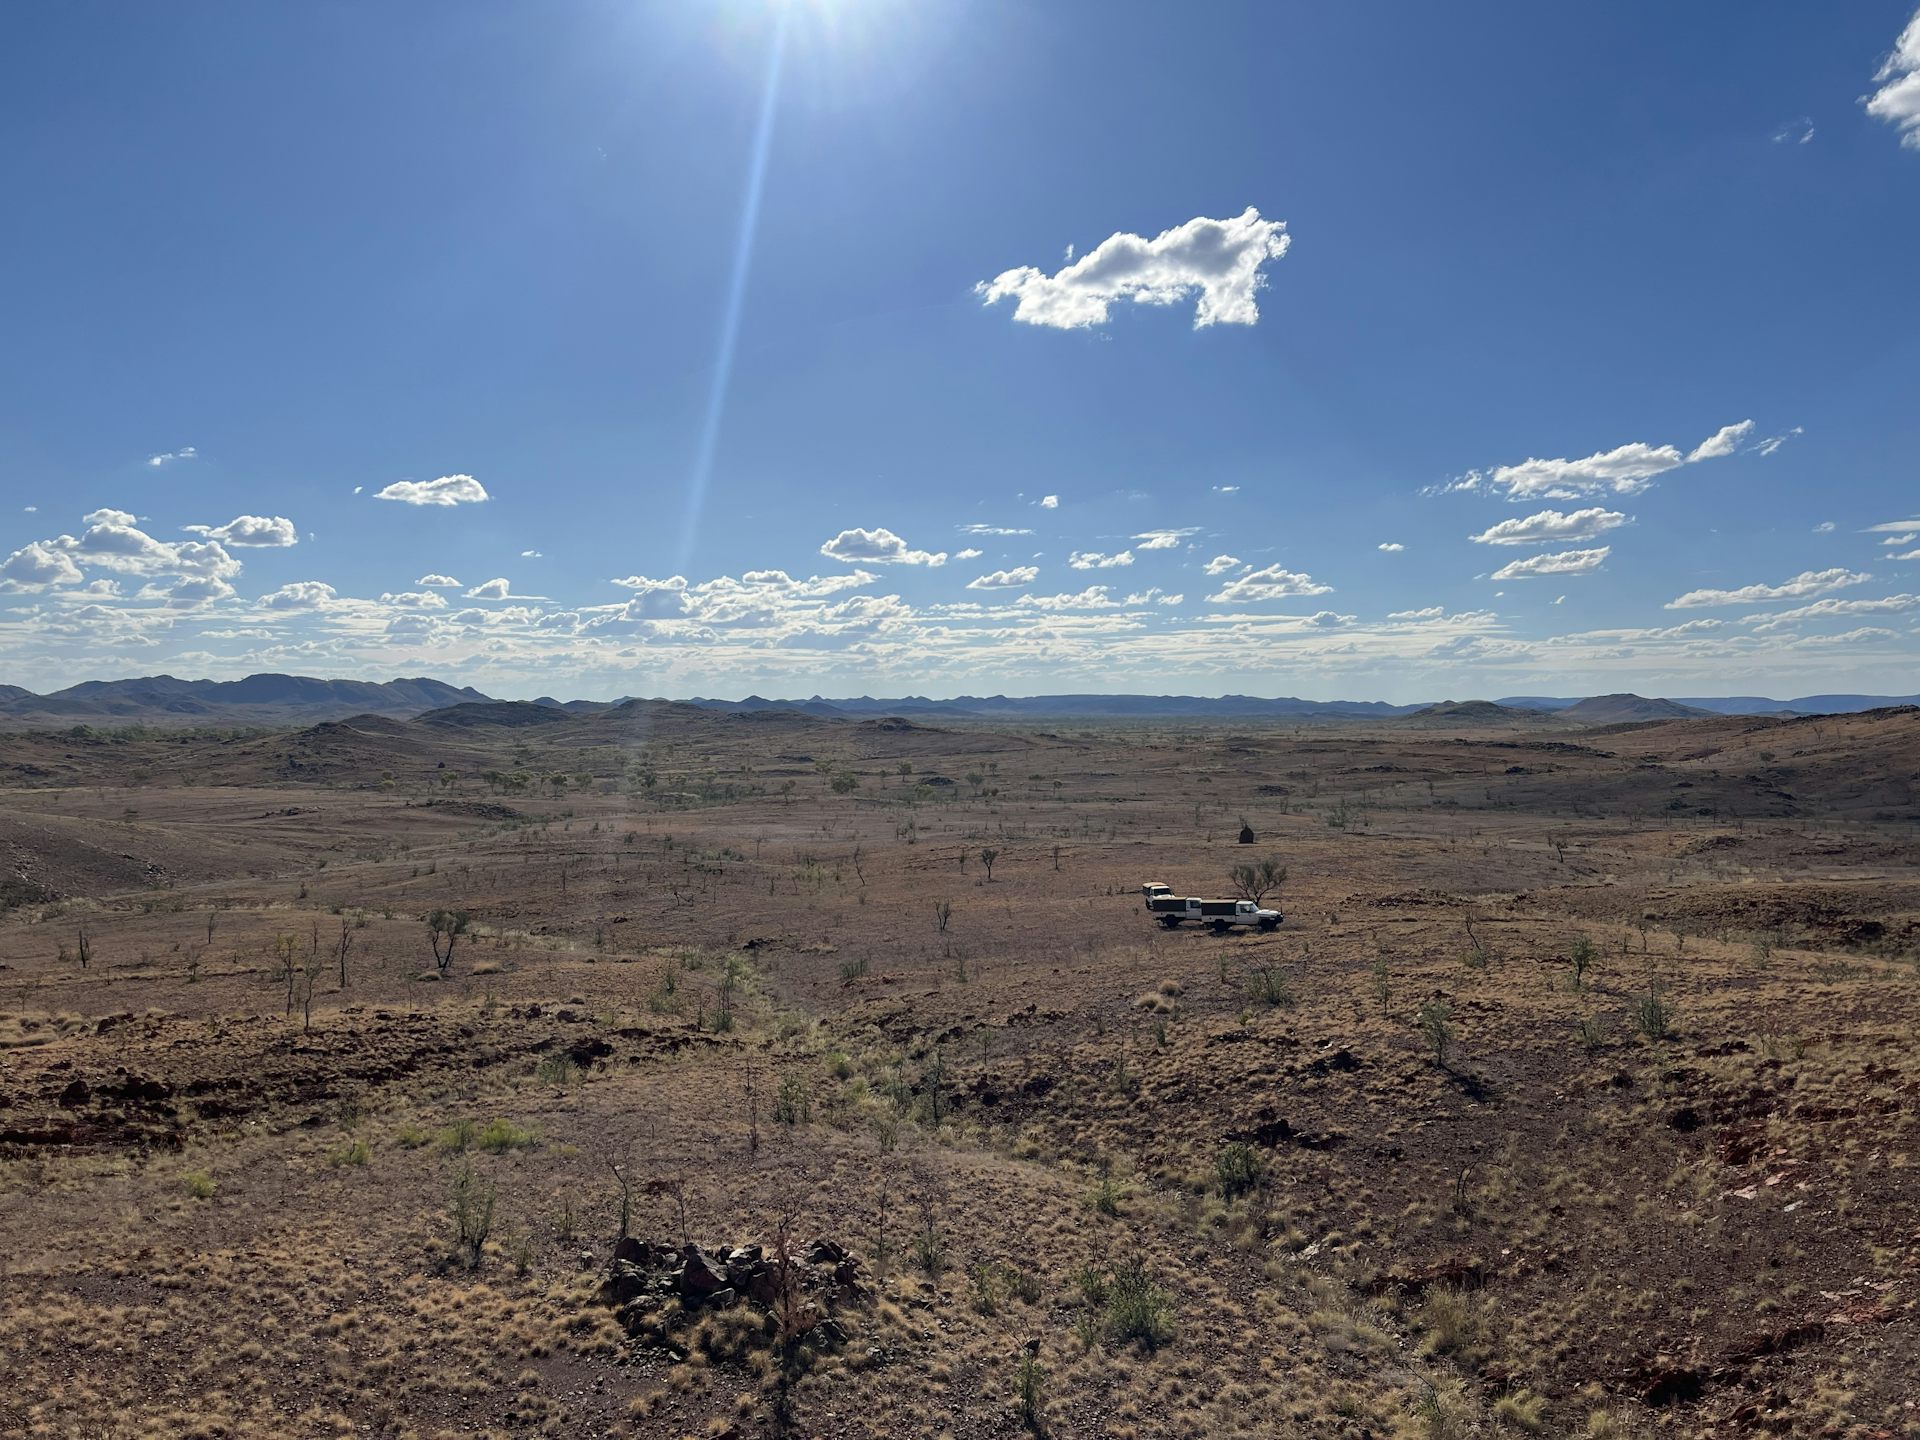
pixel 729 331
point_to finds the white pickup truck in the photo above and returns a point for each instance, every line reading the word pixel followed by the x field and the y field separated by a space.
pixel 1222 915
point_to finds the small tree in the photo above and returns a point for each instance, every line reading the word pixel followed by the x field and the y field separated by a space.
pixel 1581 956
pixel 942 913
pixel 1256 880
pixel 987 857
pixel 341 946
pixel 470 1206
pixel 444 929
pixel 1435 1021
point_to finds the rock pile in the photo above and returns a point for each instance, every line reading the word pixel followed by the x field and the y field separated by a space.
pixel 796 1294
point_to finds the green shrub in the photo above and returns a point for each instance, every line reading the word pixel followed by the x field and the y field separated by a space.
pixel 1136 1308
pixel 458 1136
pixel 199 1184
pixel 500 1136
pixel 1652 1015
pixel 1267 986
pixel 793 1105
pixel 354 1152
pixel 1239 1168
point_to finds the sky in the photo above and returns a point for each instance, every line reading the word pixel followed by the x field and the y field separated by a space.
pixel 945 347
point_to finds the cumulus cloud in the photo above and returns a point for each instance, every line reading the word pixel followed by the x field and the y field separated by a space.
pixel 1431 612
pixel 1392 547
pixel 437 582
pixel 1723 441
pixel 1049 502
pixel 37 566
pixel 1549 526
pixel 167 457
pixel 1094 597
pixel 1154 595
pixel 1826 609
pixel 1220 260
pixel 531 555
pixel 1564 562
pixel 1094 560
pixel 423 599
pixel 1005 579
pixel 1625 470
pixel 1272 583
pixel 494 589
pixel 300 595
pixel 876 547
pixel 188 592
pixel 1163 539
pixel 1906 539
pixel 113 541
pixel 656 599
pixel 1897 101
pixel 1221 564
pixel 1807 582
pixel 968 554
pixel 256 530
pixel 447 490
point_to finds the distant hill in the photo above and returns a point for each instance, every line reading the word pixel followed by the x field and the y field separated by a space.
pixel 257 699
pixel 1475 712
pixel 1627 709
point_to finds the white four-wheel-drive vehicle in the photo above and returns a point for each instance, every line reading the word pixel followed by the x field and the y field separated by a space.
pixel 1222 915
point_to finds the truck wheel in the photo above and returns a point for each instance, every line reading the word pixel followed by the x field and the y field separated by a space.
pixel 1220 927
pixel 1172 922
pixel 1269 926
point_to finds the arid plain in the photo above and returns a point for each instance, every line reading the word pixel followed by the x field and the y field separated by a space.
pixel 1578 1094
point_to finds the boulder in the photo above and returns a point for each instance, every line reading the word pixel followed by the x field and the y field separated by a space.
pixel 698 1278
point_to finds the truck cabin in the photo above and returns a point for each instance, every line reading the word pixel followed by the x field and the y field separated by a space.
pixel 1153 890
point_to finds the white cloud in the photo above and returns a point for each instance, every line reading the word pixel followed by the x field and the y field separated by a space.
pixel 424 599
pixel 1094 597
pixel 1624 470
pixel 1094 560
pixel 993 530
pixel 1392 547
pixel 1005 579
pixel 1220 259
pixel 1220 564
pixel 1825 609
pixel 1723 441
pixel 113 541
pixel 300 595
pixel 1807 582
pixel 1888 527
pixel 447 490
pixel 1825 527
pixel 1906 539
pixel 876 547
pixel 1897 101
pixel 1432 612
pixel 167 457
pixel 1154 595
pixel 1549 526
pixel 256 530
pixel 189 591
pixel 1772 443
pixel 1272 583
pixel 1226 489
pixel 36 566
pixel 968 554
pixel 1049 502
pixel 531 555
pixel 438 582
pixel 494 589
pixel 656 599
pixel 1907 555
pixel 1564 562
pixel 1163 539
pixel 1794 132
